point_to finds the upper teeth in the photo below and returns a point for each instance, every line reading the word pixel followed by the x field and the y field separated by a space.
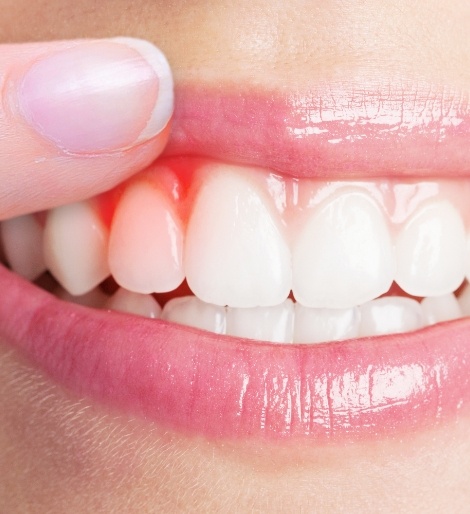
pixel 236 253
pixel 431 251
pixel 75 247
pixel 343 256
pixel 245 238
pixel 146 243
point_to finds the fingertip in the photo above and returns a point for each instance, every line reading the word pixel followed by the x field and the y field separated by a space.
pixel 163 110
pixel 99 96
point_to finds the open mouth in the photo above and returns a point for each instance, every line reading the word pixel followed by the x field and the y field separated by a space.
pixel 285 300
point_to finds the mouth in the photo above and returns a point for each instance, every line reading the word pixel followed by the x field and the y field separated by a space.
pixel 287 270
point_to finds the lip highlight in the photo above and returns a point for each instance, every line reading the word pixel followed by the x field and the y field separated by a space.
pixel 329 131
pixel 223 387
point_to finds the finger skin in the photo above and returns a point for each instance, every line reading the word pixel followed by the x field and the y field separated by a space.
pixel 36 173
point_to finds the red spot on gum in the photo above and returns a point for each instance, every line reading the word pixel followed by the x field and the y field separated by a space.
pixel 174 176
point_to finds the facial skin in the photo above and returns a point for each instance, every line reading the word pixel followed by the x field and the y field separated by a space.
pixel 60 453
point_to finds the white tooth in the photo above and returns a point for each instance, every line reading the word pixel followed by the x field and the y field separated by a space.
pixel 146 242
pixel 235 253
pixel 191 311
pixel 274 324
pixel 390 315
pixel 75 247
pixel 320 325
pixel 440 308
pixel 22 243
pixel 464 300
pixel 343 256
pixel 430 251
pixel 95 298
pixel 134 303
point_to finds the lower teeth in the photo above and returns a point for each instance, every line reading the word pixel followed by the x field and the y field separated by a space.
pixel 288 322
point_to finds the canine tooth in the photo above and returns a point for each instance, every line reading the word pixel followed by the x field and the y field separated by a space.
pixel 274 324
pixel 75 247
pixel 320 325
pixel 22 244
pixel 146 242
pixel 235 253
pixel 390 315
pixel 430 251
pixel 134 303
pixel 191 311
pixel 343 255
pixel 440 308
pixel 95 298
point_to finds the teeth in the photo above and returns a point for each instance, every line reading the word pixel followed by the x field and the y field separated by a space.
pixel 431 251
pixel 390 315
pixel 22 243
pixel 191 311
pixel 146 242
pixel 95 298
pixel 274 324
pixel 134 303
pixel 343 256
pixel 75 247
pixel 440 308
pixel 247 240
pixel 235 253
pixel 319 325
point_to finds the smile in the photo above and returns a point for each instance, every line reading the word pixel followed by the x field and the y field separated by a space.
pixel 271 224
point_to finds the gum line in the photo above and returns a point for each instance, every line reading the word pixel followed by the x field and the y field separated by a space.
pixel 143 232
pixel 181 179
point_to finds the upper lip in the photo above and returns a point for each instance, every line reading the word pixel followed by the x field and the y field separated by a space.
pixel 344 130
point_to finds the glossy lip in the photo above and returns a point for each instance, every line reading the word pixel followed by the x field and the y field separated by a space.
pixel 217 386
pixel 223 387
pixel 348 130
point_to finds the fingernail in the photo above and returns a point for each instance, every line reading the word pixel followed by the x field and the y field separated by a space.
pixel 99 96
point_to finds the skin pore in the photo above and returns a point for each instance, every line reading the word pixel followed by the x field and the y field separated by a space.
pixel 61 453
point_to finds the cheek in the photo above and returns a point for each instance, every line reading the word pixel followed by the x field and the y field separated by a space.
pixel 263 41
pixel 57 450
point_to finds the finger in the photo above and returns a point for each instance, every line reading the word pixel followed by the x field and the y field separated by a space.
pixel 78 117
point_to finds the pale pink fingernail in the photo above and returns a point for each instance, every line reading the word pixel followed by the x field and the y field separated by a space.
pixel 99 96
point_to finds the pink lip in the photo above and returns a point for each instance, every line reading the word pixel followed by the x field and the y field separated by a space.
pixel 201 383
pixel 330 131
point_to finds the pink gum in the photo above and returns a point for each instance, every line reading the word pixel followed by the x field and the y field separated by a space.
pixel 292 198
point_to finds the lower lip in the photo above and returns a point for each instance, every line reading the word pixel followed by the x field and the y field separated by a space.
pixel 220 387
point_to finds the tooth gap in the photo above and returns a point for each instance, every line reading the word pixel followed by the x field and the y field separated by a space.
pixel 47 282
pixel 3 259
